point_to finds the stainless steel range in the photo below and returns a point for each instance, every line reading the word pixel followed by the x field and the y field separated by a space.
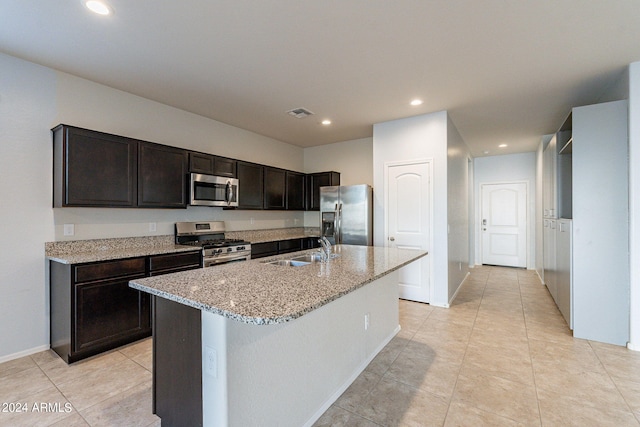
pixel 209 235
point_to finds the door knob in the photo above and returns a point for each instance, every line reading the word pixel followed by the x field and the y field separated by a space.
pixel 392 238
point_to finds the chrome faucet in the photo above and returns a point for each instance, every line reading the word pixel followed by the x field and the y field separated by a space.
pixel 325 252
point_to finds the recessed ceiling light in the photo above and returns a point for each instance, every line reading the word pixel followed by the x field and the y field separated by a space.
pixel 99 7
pixel 326 122
pixel 416 102
pixel 502 145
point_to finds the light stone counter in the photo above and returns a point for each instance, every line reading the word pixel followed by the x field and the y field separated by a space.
pixel 256 292
pixel 80 251
pixel 271 235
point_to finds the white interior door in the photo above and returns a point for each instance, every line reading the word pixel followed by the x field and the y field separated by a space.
pixel 408 213
pixel 504 224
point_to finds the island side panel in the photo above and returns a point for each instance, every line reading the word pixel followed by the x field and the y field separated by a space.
pixel 177 361
pixel 289 374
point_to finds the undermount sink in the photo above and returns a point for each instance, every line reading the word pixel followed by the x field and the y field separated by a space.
pixel 301 260
pixel 308 258
pixel 289 263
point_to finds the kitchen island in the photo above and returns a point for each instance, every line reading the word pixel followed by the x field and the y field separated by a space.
pixel 253 343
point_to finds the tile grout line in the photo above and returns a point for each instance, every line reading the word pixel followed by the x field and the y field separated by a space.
pixel 61 393
pixel 626 401
pixel 455 385
pixel 533 372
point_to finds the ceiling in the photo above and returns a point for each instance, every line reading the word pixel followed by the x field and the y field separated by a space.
pixel 507 71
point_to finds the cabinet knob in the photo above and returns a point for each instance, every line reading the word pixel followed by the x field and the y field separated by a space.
pixel 392 239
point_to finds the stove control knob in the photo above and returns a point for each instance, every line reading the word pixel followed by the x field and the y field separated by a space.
pixel 241 248
pixel 218 251
pixel 229 249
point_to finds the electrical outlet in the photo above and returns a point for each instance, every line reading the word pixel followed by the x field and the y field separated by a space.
pixel 252 221
pixel 211 362
pixel 153 226
pixel 69 230
pixel 366 321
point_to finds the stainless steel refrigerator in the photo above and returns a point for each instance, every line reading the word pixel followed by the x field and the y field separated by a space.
pixel 346 214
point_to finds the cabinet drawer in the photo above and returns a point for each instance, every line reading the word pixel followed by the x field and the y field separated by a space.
pixel 174 261
pixel 108 270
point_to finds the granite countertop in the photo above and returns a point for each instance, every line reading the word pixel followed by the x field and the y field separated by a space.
pixel 274 234
pixel 80 251
pixel 258 293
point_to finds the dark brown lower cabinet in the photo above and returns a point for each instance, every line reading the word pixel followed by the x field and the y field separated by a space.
pixel 177 363
pixel 265 249
pixel 108 312
pixel 93 309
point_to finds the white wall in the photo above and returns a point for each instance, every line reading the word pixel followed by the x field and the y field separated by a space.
pixel 353 159
pixel 424 137
pixel 507 168
pixel 458 156
pixel 27 109
pixel 634 204
pixel 33 99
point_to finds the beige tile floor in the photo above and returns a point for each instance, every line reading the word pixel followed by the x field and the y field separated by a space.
pixel 500 356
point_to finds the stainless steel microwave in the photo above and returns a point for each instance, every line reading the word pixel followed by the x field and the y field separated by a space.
pixel 209 190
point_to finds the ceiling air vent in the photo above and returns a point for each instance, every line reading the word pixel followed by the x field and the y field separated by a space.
pixel 299 113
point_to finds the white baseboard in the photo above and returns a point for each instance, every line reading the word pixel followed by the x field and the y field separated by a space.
pixel 24 353
pixel 455 294
pixel 350 380
pixel 633 347
pixel 439 304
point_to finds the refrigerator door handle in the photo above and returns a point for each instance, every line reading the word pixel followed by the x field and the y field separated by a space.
pixel 340 212
pixel 339 218
pixel 336 225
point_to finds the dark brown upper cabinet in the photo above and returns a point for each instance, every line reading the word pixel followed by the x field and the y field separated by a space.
pixel 162 176
pixel 274 188
pixel 250 178
pixel 211 165
pixel 295 191
pixel 314 182
pixel 93 169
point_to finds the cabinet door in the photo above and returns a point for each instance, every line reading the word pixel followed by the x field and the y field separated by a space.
pixel 314 182
pixel 225 167
pixel 261 250
pixel 290 245
pixel 108 312
pixel 251 192
pixel 211 165
pixel 93 168
pixel 295 191
pixel 274 188
pixel 201 163
pixel 162 174
pixel 311 243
